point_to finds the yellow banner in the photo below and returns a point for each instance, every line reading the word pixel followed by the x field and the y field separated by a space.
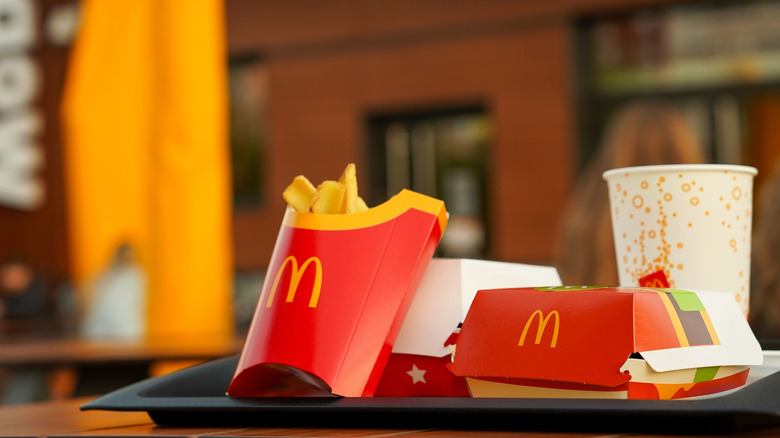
pixel 145 125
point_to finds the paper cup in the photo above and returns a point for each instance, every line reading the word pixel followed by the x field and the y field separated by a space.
pixel 683 226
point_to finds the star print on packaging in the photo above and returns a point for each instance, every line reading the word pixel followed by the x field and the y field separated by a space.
pixel 411 375
pixel 416 374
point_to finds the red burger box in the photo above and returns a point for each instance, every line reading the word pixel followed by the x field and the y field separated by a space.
pixel 418 365
pixel 337 290
pixel 625 343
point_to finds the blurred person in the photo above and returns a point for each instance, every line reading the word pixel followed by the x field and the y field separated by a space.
pixel 25 303
pixel 117 303
pixel 23 309
pixel 765 261
pixel 641 133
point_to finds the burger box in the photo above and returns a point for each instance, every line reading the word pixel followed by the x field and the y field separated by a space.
pixel 418 363
pixel 337 290
pixel 576 342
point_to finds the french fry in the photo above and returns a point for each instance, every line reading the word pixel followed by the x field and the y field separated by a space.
pixel 352 202
pixel 361 205
pixel 329 198
pixel 349 180
pixel 299 194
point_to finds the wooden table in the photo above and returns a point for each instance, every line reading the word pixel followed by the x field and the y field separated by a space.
pixel 63 418
pixel 74 351
pixel 101 366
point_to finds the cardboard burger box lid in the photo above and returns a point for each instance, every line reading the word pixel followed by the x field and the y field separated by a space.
pixel 617 342
pixel 417 366
pixel 445 294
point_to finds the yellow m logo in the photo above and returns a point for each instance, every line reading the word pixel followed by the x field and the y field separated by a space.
pixel 541 325
pixel 295 278
pixel 655 282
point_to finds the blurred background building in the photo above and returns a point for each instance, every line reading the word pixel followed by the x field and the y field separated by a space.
pixel 492 106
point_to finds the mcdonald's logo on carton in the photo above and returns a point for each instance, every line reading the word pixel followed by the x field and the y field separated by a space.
pixel 337 291
pixel 541 325
pixel 295 279
pixel 575 342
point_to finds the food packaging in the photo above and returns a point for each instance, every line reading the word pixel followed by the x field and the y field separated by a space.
pixel 575 342
pixel 418 364
pixel 337 290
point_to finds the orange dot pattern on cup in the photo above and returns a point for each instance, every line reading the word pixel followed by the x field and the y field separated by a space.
pixel 688 203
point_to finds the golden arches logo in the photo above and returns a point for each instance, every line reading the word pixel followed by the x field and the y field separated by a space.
pixel 295 277
pixel 654 283
pixel 541 325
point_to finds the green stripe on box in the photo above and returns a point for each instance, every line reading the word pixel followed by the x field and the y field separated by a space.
pixel 705 374
pixel 687 300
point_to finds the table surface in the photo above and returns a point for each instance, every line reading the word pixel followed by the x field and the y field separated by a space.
pixel 63 418
pixel 72 351
pixel 71 367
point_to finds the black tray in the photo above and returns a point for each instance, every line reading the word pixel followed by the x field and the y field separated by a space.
pixel 196 397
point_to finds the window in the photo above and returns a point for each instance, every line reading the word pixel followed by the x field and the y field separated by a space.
pixel 248 104
pixel 441 154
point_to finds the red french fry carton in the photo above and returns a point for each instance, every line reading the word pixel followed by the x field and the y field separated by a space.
pixel 634 343
pixel 418 364
pixel 337 291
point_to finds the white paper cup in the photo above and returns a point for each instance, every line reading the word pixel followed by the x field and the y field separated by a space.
pixel 683 226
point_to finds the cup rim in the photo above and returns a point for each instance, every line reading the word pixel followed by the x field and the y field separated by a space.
pixel 680 167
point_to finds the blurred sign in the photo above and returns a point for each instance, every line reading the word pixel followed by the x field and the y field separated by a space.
pixel 21 159
pixel 688 45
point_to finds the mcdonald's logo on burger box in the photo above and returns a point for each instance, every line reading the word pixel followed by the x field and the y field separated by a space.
pixel 598 342
pixel 418 364
pixel 335 296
